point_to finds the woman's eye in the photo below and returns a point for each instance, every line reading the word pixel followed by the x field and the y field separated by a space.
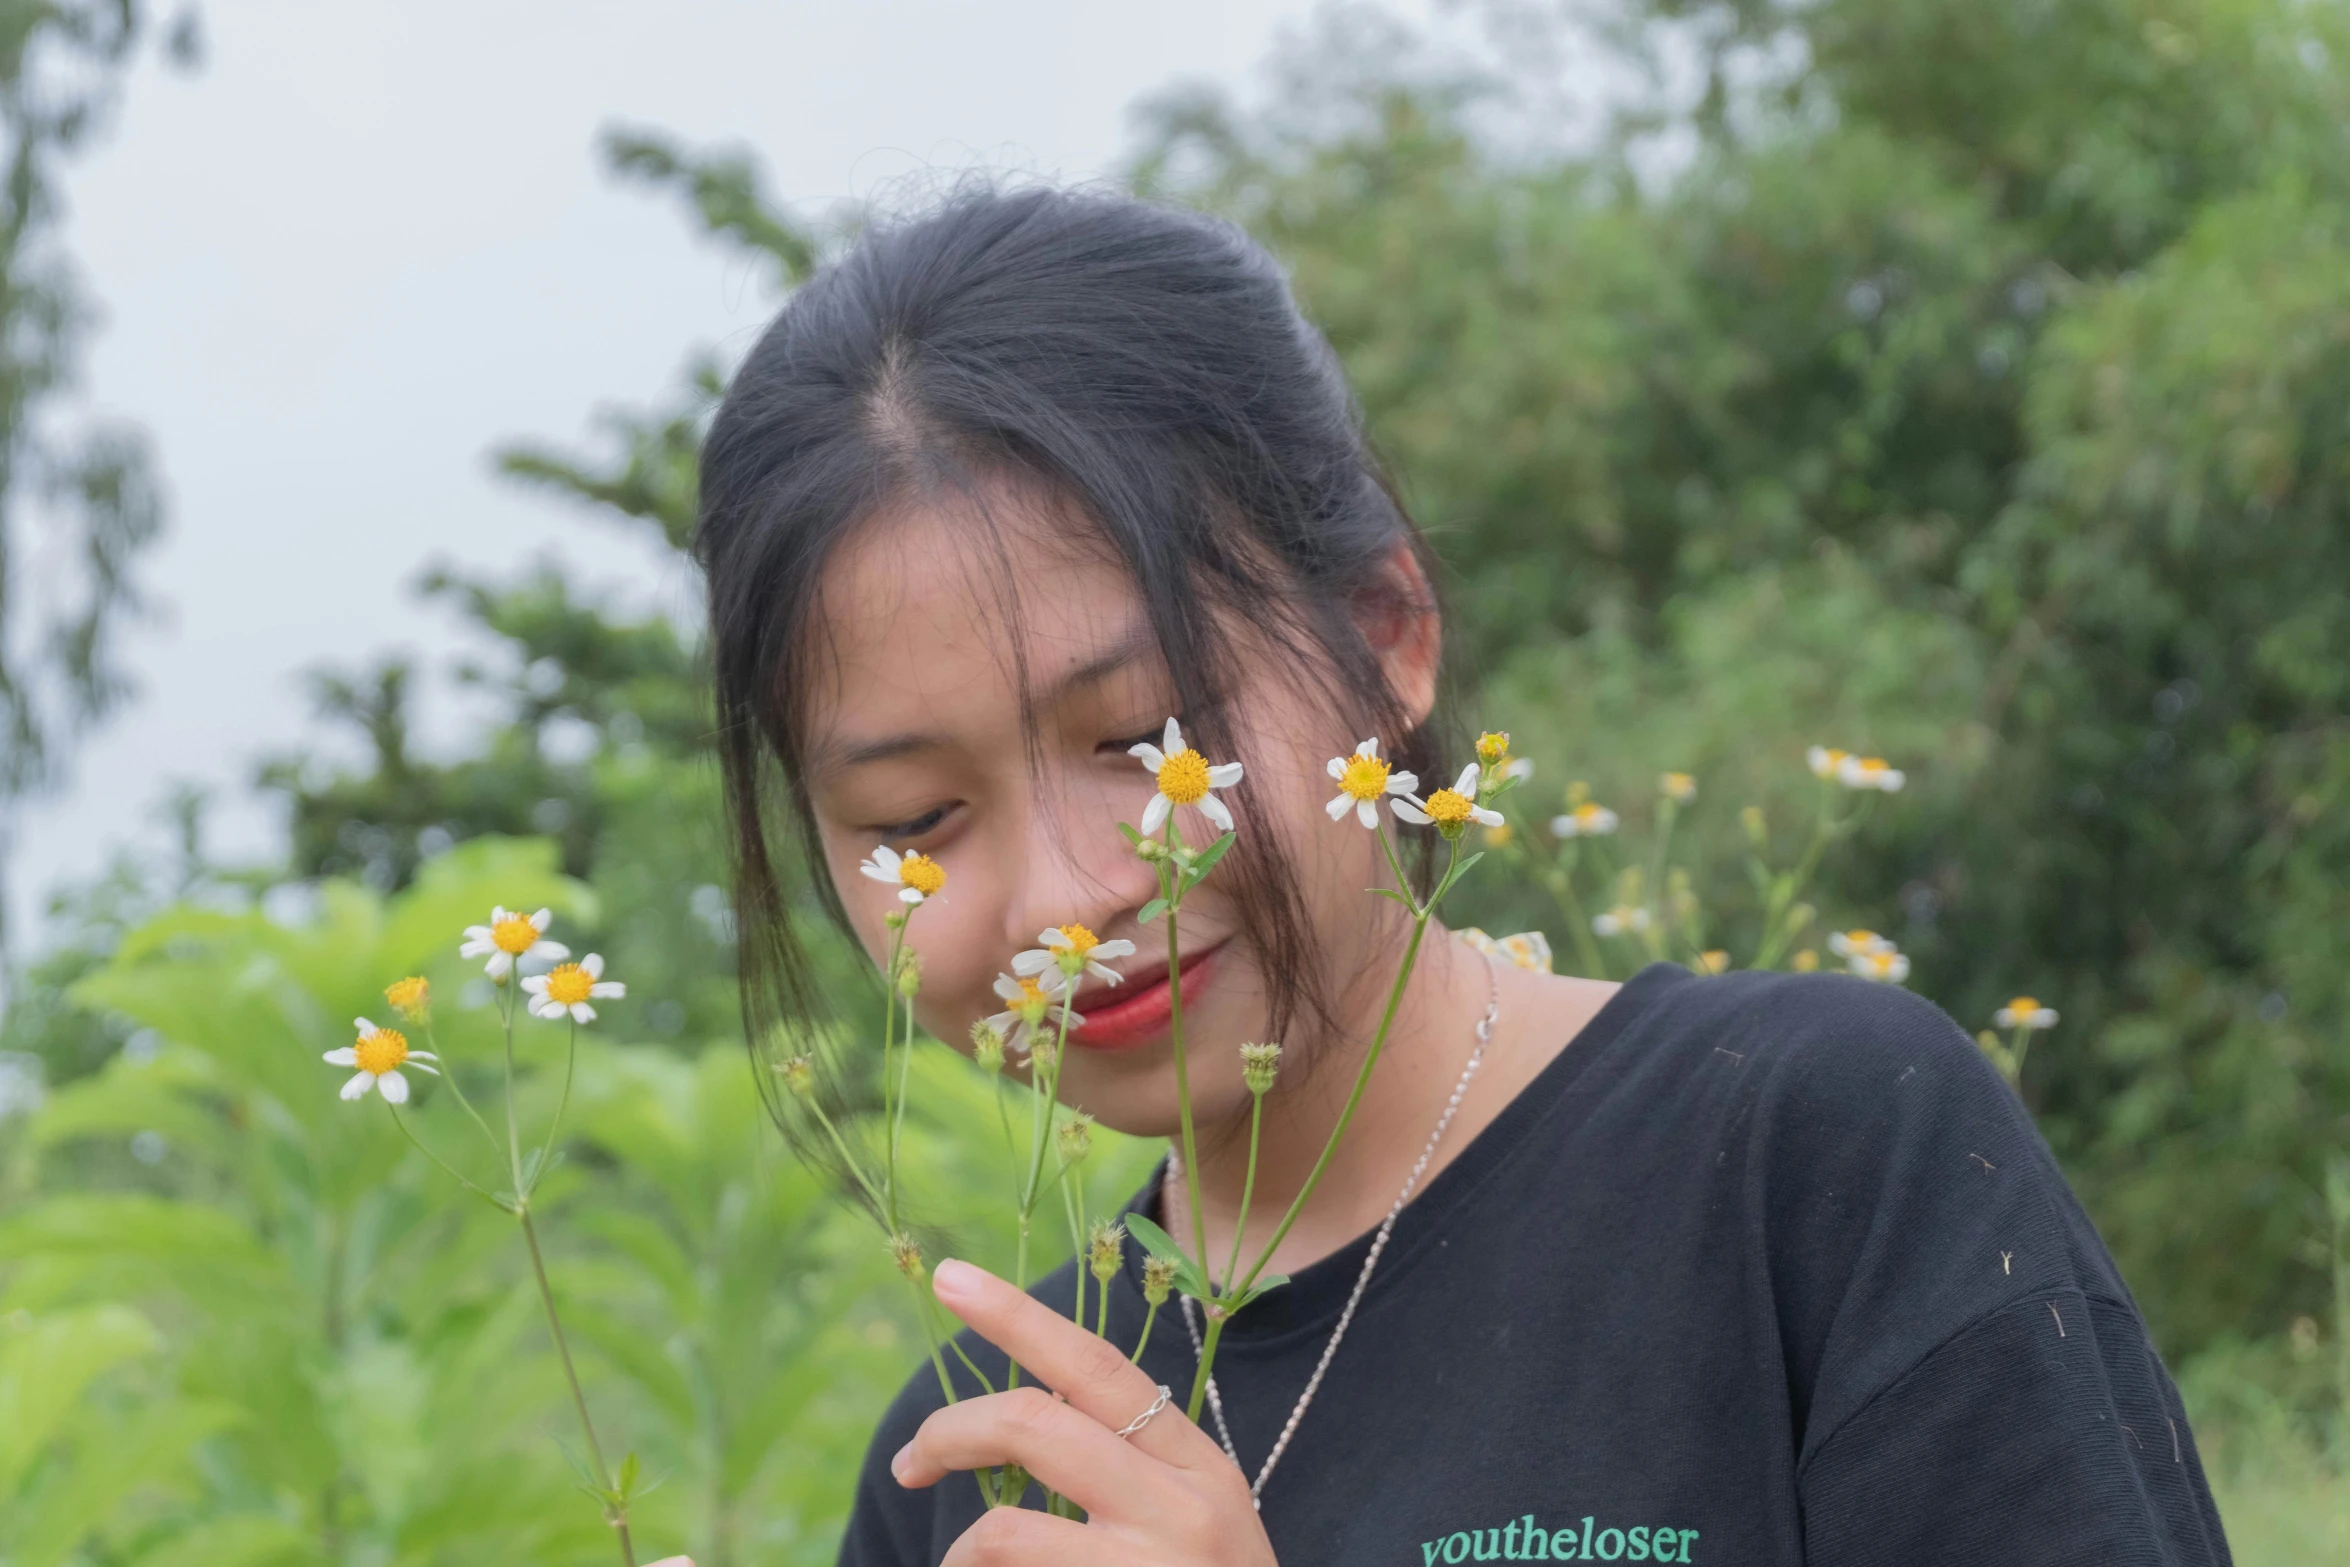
pixel 1149 736
pixel 916 827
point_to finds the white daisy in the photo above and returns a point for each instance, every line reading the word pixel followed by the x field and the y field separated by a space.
pixel 1362 778
pixel 509 938
pixel 2025 1012
pixel 1073 950
pixel 1584 821
pixel 1032 1000
pixel 1448 810
pixel 1870 772
pixel 916 876
pixel 1857 943
pixel 1885 966
pixel 568 987
pixel 379 1055
pixel 1825 761
pixel 1185 778
pixel 1622 920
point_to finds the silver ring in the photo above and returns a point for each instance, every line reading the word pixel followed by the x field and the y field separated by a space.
pixel 1144 1419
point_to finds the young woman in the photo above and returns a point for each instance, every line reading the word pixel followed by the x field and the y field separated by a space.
pixel 1749 1269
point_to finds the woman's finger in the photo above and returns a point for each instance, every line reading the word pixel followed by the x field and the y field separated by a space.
pixel 1069 1451
pixel 1005 1536
pixel 1087 1370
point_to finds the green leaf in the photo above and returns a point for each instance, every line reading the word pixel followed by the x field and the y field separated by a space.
pixel 1209 856
pixel 1390 892
pixel 1152 910
pixel 1132 836
pixel 1159 1244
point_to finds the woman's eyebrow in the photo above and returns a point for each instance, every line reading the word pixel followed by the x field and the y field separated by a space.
pixel 1135 644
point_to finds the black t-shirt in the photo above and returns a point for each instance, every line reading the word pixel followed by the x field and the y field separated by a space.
pixel 1761 1269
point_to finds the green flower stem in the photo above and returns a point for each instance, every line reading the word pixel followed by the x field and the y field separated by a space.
pixel 1562 887
pixel 1248 1189
pixel 1668 810
pixel 562 1103
pixel 1073 1205
pixel 925 1307
pixel 437 1159
pixel 889 1110
pixel 449 1076
pixel 615 1511
pixel 2016 1048
pixel 847 1159
pixel 1149 1317
pixel 513 1137
pixel 1171 888
pixel 1101 1328
pixel 1826 829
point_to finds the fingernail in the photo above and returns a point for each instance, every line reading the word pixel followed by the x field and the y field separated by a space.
pixel 899 1463
pixel 952 1277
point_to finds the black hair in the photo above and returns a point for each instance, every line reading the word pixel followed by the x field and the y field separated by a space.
pixel 1149 366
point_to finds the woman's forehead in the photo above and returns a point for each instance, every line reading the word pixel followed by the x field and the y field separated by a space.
pixel 930 617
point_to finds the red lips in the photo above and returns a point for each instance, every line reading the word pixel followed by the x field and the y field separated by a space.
pixel 1135 1014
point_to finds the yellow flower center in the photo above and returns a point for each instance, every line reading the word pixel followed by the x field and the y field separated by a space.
pixel 380 1051
pixel 514 934
pixel 1862 940
pixel 1183 779
pixel 1447 808
pixel 408 996
pixel 1870 766
pixel 569 983
pixel 1033 1002
pixel 1365 777
pixel 1831 759
pixel 1493 747
pixel 1081 941
pixel 922 873
pixel 2024 1006
pixel 1587 813
pixel 1679 785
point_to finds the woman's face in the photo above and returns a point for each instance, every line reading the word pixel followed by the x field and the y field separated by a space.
pixel 915 740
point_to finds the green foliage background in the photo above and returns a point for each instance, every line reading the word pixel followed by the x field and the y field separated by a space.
pixel 1965 383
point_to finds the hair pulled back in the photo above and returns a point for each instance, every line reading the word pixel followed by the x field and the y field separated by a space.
pixel 1147 365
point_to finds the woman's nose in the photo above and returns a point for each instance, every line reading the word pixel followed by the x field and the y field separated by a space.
pixel 1076 868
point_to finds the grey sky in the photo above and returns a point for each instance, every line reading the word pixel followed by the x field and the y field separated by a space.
pixel 369 240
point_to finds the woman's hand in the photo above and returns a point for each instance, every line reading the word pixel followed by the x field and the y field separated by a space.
pixel 1164 1497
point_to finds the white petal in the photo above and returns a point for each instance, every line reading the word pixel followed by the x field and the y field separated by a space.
pixel 1032 962
pixel 1369 747
pixel 608 989
pixel 1172 741
pixel 540 1006
pixel 480 946
pixel 868 868
pixel 366 1029
pixel 422 1055
pixel 1485 818
pixel 1403 783
pixel 1367 812
pixel 1467 782
pixel 1108 976
pixel 909 895
pixel 541 920
pixel 1114 949
pixel 349 1057
pixel 1892 781
pixel 594 964
pixel 1154 815
pixel 1076 1020
pixel 1008 988
pixel 393 1087
pixel 1223 775
pixel 1340 806
pixel 1151 756
pixel 536 985
pixel 1409 810
pixel 500 964
pixel 1563 827
pixel 1052 940
pixel 549 951
pixel 359 1084
pixel 497 914
pixel 1337 767
pixel 581 1012
pixel 431 1071
pixel 1003 1021
pixel 477 933
pixel 1520 768
pixel 1215 811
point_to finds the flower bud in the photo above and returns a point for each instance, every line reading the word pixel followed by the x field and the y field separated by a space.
pixel 1076 1138
pixel 895 919
pixel 1493 747
pixel 1757 830
pixel 909 977
pixel 799 1075
pixel 1715 962
pixel 906 1252
pixel 1679 788
pixel 1044 1050
pixel 987 1047
pixel 1105 1249
pixel 1158 1280
pixel 411 998
pixel 1150 851
pixel 1807 961
pixel 1258 1066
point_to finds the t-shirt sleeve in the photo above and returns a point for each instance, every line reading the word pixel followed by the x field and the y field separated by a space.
pixel 1971 1380
pixel 2045 1433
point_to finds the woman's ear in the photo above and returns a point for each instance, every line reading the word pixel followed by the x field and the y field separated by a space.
pixel 1397 615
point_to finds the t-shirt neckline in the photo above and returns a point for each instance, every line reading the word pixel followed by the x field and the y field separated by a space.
pixel 1315 1295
